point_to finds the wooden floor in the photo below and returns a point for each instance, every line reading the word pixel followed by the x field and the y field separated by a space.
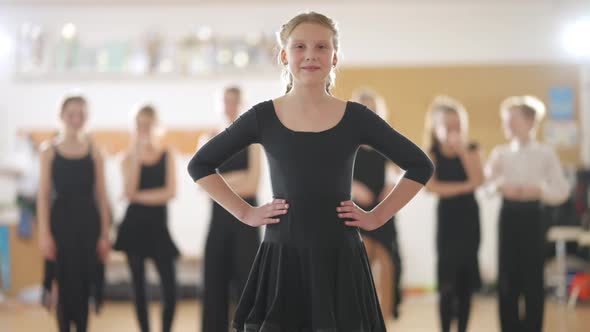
pixel 419 314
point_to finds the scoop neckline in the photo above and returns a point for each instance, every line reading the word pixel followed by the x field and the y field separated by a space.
pixel 155 162
pixel 334 127
pixel 72 157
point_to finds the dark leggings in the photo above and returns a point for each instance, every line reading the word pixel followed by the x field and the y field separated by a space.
pixel 454 302
pixel 229 252
pixel 65 319
pixel 167 274
pixel 73 292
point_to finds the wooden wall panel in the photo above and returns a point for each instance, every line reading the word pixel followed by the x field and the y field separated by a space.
pixel 115 141
pixel 409 90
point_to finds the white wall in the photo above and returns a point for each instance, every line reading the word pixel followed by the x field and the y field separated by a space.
pixel 372 33
pixel 585 112
pixel 377 34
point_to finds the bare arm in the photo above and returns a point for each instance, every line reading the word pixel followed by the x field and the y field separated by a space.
pixel 401 194
pixel 46 241
pixel 398 149
pixel 245 183
pixel 223 194
pixel 232 178
pixel 202 168
pixel 103 246
pixel 131 169
pixel 101 194
pixel 392 174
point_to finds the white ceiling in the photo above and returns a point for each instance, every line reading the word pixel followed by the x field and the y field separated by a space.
pixel 149 2
pixel 197 2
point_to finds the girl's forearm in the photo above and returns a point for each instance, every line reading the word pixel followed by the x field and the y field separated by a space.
pixel 401 194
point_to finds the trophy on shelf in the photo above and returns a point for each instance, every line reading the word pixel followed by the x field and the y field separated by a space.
pixel 31 48
pixel 68 49
pixel 153 48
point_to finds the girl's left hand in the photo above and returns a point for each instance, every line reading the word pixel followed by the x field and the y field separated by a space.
pixel 511 192
pixel 103 248
pixel 127 197
pixel 456 143
pixel 530 192
pixel 360 218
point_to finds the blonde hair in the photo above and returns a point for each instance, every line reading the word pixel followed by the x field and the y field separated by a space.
pixel 530 106
pixel 72 99
pixel 286 30
pixel 441 105
pixel 366 93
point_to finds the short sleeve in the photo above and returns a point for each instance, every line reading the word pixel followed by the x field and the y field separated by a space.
pixel 239 135
pixel 377 133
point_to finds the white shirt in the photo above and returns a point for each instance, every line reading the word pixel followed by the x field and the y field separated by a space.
pixel 529 164
pixel 24 159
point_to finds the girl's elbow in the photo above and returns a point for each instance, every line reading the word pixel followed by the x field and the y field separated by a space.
pixel 479 182
pixel 171 195
pixel 430 187
pixel 130 193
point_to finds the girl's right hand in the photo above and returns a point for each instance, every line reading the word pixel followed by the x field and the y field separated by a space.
pixel 511 192
pixel 266 214
pixel 103 248
pixel 456 143
pixel 48 248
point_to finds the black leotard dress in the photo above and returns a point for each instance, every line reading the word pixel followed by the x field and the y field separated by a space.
pixel 311 272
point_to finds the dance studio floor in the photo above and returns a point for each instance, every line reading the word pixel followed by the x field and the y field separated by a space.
pixel 419 315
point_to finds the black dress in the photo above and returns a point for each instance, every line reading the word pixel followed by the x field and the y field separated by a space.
pixel 233 243
pixel 144 234
pixel 311 272
pixel 458 229
pixel 75 226
pixel 144 229
pixel 369 169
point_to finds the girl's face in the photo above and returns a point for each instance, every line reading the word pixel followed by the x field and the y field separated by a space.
pixel 516 124
pixel 447 127
pixel 231 105
pixel 144 125
pixel 310 54
pixel 74 115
